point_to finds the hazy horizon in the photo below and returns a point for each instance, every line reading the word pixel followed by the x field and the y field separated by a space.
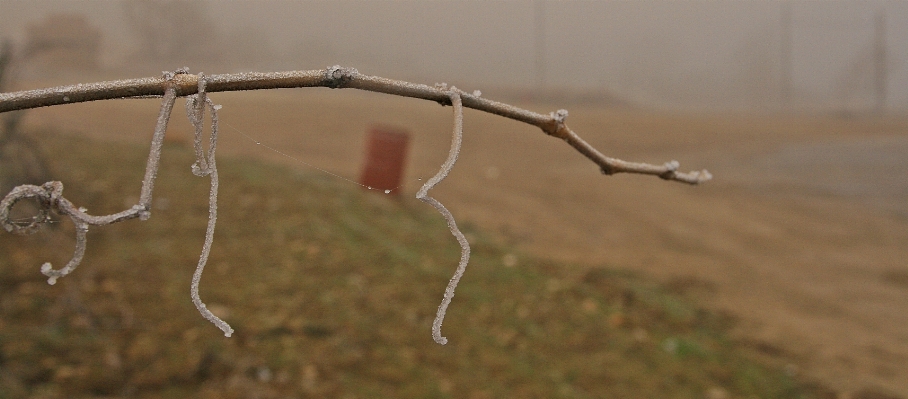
pixel 693 54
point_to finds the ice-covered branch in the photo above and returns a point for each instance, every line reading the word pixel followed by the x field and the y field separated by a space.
pixel 336 77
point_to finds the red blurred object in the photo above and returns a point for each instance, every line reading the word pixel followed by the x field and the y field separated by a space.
pixel 386 152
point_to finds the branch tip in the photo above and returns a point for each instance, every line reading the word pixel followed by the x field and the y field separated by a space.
pixel 701 176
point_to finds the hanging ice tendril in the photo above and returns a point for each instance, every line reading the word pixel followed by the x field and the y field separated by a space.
pixel 49 196
pixel 205 166
pixel 423 196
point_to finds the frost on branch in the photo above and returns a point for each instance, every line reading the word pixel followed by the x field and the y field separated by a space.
pixel 49 196
pixel 423 196
pixel 205 166
pixel 195 88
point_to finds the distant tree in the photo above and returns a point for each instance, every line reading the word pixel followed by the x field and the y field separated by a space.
pixel 174 32
pixel 21 160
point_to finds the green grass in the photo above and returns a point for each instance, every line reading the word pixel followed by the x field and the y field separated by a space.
pixel 331 291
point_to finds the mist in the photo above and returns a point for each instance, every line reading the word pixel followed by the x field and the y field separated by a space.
pixel 676 55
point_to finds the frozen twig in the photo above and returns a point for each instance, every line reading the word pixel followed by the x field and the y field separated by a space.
pixel 423 195
pixel 335 77
pixel 50 198
pixel 195 87
pixel 50 195
pixel 205 166
pixel 157 143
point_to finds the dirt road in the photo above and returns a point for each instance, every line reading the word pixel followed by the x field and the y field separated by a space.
pixel 802 235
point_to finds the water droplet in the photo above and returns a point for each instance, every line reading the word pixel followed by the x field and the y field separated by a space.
pixel 387 191
pixel 369 187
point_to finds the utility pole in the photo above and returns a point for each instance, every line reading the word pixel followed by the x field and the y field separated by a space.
pixel 880 75
pixel 539 16
pixel 785 57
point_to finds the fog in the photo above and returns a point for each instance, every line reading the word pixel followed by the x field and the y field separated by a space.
pixel 833 55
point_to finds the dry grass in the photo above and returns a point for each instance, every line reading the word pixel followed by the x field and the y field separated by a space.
pixel 332 291
pixel 806 251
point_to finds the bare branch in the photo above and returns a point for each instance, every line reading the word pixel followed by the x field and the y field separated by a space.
pixel 336 77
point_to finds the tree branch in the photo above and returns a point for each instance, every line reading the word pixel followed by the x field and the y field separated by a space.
pixel 336 77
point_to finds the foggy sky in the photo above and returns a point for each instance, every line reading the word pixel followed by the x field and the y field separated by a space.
pixel 673 54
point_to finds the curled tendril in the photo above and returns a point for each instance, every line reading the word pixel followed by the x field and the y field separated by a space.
pixel 49 197
pixel 205 166
pixel 40 193
pixel 423 195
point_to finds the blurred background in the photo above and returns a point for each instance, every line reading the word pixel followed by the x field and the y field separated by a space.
pixel 785 276
pixel 842 55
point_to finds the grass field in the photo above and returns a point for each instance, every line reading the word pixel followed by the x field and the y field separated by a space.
pixel 331 291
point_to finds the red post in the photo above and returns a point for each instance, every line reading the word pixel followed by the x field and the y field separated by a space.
pixel 386 152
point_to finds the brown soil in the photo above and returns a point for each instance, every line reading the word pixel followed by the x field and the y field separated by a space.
pixel 801 235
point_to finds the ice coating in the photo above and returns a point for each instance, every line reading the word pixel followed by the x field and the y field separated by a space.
pixel 422 195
